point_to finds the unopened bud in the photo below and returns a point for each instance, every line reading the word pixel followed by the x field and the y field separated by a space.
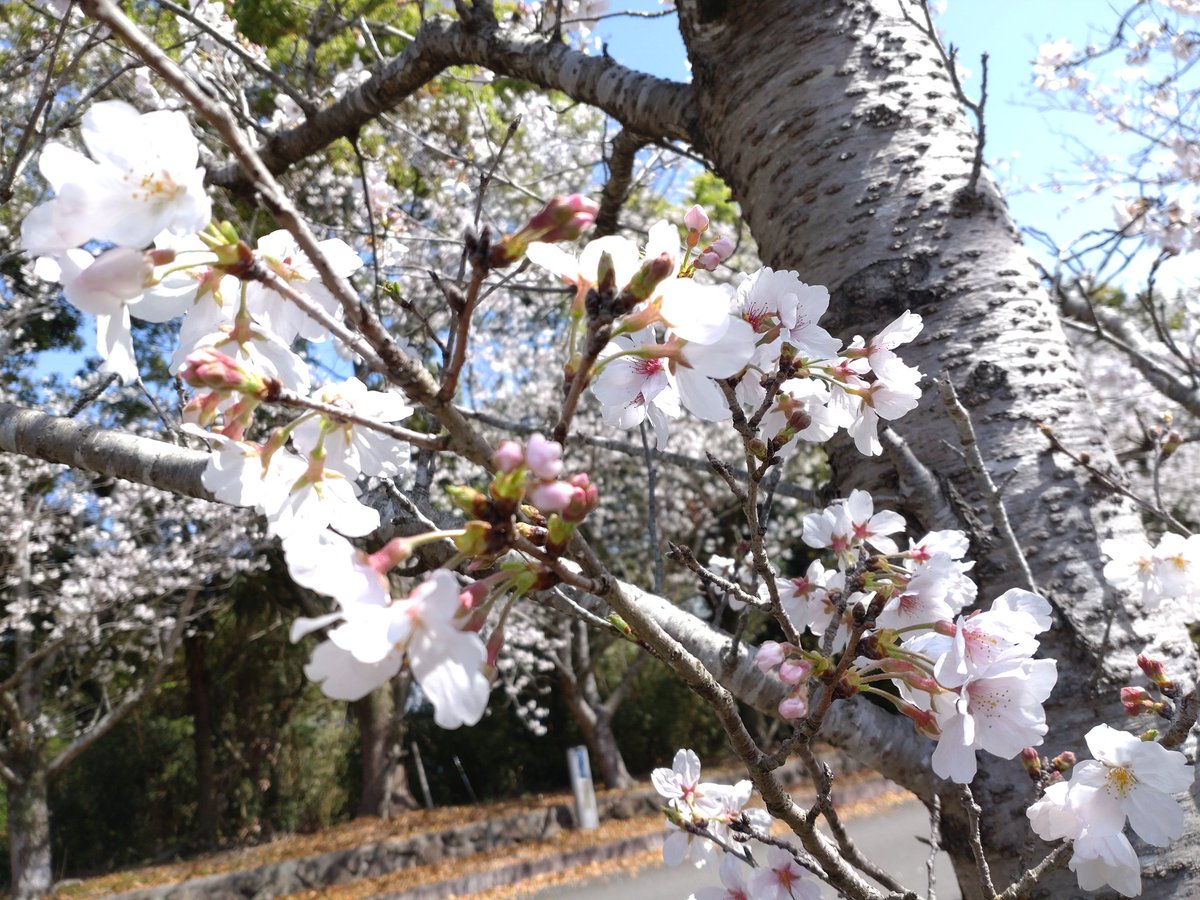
pixel 1032 763
pixel 209 368
pixel 606 275
pixel 508 456
pixel 769 655
pixel 794 671
pixel 475 593
pixel 562 219
pixel 925 721
pixel 1155 671
pixel 390 555
pixel 1172 443
pixel 474 539
pixel 1064 762
pixel 1136 701
pixel 652 273
pixel 696 220
pixel 793 706
pixel 722 247
pixel 585 498
pixel 707 260
pixel 468 499
pixel 544 457
pixel 551 496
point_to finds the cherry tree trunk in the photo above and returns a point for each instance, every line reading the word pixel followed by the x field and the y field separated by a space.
pixel 842 138
pixel 29 832
pixel 374 715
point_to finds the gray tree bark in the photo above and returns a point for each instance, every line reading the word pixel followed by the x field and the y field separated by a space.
pixel 29 831
pixel 842 137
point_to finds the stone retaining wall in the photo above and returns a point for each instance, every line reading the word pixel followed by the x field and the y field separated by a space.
pixel 391 855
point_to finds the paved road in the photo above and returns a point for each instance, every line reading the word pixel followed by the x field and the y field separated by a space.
pixel 888 839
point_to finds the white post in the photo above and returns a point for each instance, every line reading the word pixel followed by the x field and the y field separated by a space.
pixel 586 813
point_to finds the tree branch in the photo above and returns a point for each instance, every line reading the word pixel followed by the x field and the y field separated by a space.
pixel 122 709
pixel 654 107
pixel 874 736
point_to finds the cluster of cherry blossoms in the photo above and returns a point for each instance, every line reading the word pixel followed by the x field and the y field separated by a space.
pixel 970 682
pixel 678 343
pixel 1130 778
pixel 1170 571
pixel 704 817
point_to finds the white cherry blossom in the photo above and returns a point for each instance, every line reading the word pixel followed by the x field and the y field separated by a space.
pixel 142 178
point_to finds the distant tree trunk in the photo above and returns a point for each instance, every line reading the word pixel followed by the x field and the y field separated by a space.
pixel 591 713
pixel 199 700
pixel 29 831
pixel 374 715
pixel 400 794
pixel 380 717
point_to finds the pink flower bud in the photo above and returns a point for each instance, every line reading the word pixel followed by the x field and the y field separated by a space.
pixel 544 457
pixel 508 456
pixel 471 596
pixel 161 257
pixel 707 260
pixel 722 246
pixel 208 368
pixel 794 671
pixel 551 496
pixel 925 721
pixel 583 501
pixel 1136 701
pixel 652 273
pixel 562 219
pixel 770 655
pixel 495 643
pixel 1032 762
pixel 390 555
pixel 1155 671
pixel 695 219
pixel 793 706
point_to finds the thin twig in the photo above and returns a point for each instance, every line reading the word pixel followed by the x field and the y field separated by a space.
pixel 981 864
pixel 966 436
pixel 431 442
pixel 652 512
pixel 935 844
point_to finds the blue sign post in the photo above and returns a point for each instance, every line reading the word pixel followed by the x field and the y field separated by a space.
pixel 586 813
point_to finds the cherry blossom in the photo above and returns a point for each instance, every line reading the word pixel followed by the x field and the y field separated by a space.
pixel 142 178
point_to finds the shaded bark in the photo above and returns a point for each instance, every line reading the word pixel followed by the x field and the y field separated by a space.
pixel 374 715
pixel 29 831
pixel 381 728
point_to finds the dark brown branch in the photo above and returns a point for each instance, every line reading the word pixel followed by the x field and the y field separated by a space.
pixel 655 107
pixel 620 181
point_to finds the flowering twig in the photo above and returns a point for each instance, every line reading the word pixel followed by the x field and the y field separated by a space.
pixel 285 397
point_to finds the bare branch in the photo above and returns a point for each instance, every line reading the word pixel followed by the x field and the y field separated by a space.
pixel 655 107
